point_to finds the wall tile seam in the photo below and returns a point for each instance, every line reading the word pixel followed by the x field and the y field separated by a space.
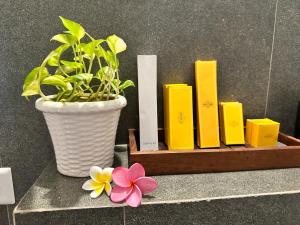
pixel 8 217
pixel 271 60
pixel 124 216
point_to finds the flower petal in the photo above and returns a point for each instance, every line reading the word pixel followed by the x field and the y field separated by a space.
pixel 120 177
pixel 107 188
pixel 135 197
pixel 96 193
pixel 119 194
pixel 95 171
pixel 146 184
pixel 136 171
pixel 106 175
pixel 91 185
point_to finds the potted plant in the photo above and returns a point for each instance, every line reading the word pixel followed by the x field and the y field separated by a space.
pixel 83 113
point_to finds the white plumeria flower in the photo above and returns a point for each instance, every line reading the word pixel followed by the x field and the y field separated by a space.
pixel 100 181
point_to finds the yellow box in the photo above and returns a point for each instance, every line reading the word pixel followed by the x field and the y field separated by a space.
pixel 262 132
pixel 249 123
pixel 207 104
pixel 231 123
pixel 178 115
pixel 166 109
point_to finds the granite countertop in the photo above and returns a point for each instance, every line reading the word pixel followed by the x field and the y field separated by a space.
pixel 53 191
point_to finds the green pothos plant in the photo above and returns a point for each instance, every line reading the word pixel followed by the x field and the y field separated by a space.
pixel 92 74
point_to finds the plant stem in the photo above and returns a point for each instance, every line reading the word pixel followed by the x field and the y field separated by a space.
pixel 89 36
pixel 117 93
pixel 59 66
pixel 74 52
pixel 91 63
pixel 73 93
pixel 82 59
pixel 99 62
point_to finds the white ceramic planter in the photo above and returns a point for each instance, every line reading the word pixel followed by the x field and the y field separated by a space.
pixel 83 133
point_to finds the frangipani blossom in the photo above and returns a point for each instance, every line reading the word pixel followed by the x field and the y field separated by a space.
pixel 131 184
pixel 100 181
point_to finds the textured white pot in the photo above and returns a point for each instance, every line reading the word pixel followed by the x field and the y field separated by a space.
pixel 83 133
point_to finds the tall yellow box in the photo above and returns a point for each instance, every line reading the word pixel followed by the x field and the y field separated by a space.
pixel 231 123
pixel 207 104
pixel 178 115
pixel 262 132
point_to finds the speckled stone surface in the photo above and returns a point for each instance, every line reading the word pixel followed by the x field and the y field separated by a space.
pixel 3 215
pixel 109 216
pixel 55 192
pixel 262 210
pixel 285 80
pixel 113 216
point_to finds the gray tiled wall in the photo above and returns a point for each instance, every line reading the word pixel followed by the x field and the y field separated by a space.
pixel 239 34
pixel 284 95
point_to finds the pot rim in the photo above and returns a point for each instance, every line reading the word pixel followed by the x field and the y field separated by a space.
pixel 80 107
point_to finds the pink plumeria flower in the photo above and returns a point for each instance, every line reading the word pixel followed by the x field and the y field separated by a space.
pixel 131 184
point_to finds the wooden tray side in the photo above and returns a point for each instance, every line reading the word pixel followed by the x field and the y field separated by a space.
pixel 288 140
pixel 216 160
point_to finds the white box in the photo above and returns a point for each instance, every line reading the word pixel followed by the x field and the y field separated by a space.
pixel 7 195
pixel 147 87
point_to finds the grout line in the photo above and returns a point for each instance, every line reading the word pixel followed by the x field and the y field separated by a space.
pixel 7 210
pixel 271 60
pixel 124 216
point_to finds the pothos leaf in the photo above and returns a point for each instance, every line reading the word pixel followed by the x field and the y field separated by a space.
pixel 116 82
pixel 55 80
pixel 116 44
pixel 53 58
pixel 64 69
pixel 75 65
pixel 126 84
pixel 64 38
pixel 92 47
pixel 111 59
pixel 102 72
pixel 100 52
pixel 75 28
pixel 80 77
pixel 31 84
pixel 115 85
pixel 80 47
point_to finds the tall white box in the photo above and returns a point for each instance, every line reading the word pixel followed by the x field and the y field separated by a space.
pixel 147 87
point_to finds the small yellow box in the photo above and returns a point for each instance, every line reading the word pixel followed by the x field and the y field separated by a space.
pixel 231 123
pixel 249 124
pixel 262 132
pixel 178 116
pixel 207 104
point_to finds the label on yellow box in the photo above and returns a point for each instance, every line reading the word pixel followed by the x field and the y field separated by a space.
pixel 231 123
pixel 178 116
pixel 207 104
pixel 262 132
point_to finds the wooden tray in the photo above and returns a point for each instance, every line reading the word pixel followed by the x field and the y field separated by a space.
pixel 223 159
